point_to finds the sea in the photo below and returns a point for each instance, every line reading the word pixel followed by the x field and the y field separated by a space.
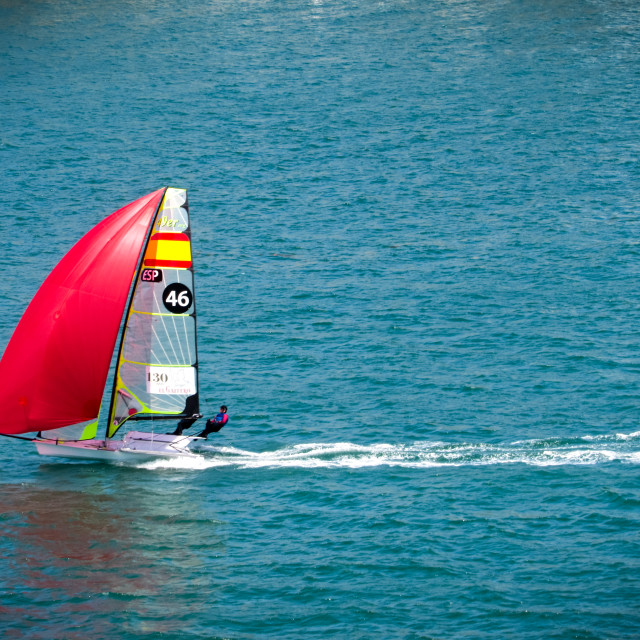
pixel 416 234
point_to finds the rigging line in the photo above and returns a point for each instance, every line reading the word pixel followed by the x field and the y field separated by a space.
pixel 184 436
pixel 9 435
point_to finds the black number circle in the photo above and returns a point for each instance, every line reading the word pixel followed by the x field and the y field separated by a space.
pixel 177 298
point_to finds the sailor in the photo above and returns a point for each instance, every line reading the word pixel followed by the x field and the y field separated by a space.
pixel 215 424
pixel 185 423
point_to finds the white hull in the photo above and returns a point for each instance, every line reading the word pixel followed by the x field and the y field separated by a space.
pixel 136 446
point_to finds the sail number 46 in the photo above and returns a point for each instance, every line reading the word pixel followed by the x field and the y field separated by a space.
pixel 177 298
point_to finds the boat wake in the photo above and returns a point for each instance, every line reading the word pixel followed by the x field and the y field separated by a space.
pixel 583 450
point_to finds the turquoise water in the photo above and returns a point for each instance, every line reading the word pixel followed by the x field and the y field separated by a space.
pixel 417 242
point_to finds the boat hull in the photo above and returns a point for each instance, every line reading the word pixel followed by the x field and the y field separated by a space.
pixel 135 447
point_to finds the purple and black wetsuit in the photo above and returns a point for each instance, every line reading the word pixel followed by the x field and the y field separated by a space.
pixel 214 425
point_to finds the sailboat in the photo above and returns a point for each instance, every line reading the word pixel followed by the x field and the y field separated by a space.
pixel 115 319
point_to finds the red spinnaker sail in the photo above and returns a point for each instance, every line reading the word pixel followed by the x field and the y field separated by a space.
pixel 53 371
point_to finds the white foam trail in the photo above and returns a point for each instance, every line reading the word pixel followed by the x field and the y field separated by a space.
pixel 584 450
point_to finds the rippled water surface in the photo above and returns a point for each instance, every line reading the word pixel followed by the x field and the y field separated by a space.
pixel 417 242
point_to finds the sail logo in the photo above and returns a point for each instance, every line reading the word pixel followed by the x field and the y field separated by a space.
pixel 151 275
pixel 171 380
pixel 170 250
pixel 171 223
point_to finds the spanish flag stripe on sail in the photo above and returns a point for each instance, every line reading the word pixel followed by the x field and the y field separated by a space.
pixel 168 250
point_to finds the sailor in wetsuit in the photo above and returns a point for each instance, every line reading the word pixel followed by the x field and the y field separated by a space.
pixel 215 424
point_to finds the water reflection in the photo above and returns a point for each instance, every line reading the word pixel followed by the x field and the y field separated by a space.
pixel 108 549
